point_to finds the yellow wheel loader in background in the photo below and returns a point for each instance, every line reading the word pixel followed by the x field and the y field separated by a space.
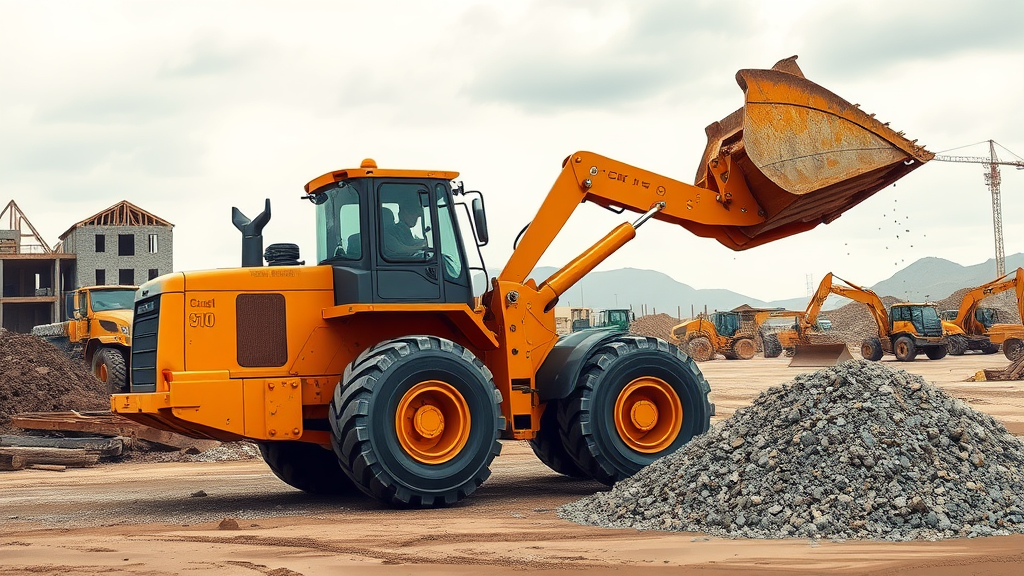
pixel 732 334
pixel 377 370
pixel 98 331
pixel 980 327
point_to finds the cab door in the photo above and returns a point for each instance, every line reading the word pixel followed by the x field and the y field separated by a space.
pixel 407 257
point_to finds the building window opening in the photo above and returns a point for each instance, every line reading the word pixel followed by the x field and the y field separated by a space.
pixel 126 244
pixel 126 277
pixel 152 244
pixel 101 277
pixel 101 243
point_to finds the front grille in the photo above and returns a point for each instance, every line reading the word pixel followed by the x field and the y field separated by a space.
pixel 145 328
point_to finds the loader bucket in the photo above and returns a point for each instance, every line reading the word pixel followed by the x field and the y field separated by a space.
pixel 819 355
pixel 806 155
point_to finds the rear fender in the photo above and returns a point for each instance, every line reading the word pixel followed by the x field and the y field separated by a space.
pixel 557 376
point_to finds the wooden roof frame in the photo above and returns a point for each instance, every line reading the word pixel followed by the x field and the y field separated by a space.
pixel 15 218
pixel 124 213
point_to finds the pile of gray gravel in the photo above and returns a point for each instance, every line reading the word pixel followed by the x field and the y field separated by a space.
pixel 855 451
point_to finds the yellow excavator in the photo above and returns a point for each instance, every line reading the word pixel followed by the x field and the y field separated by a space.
pixel 904 331
pixel 378 370
pixel 981 329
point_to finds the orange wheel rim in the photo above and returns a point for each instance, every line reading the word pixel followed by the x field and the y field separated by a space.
pixel 432 422
pixel 648 415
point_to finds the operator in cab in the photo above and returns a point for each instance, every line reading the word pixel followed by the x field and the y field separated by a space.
pixel 399 241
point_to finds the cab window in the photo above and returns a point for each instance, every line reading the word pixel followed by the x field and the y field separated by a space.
pixel 451 261
pixel 405 225
pixel 338 234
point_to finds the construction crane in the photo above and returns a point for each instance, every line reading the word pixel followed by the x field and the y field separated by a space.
pixel 992 180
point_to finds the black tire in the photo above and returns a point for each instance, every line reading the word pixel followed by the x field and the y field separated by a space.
pixel 904 349
pixel 957 344
pixel 548 445
pixel 1013 348
pixel 109 366
pixel 586 417
pixel 700 349
pixel 363 422
pixel 871 349
pixel 989 348
pixel 308 467
pixel 936 352
pixel 772 346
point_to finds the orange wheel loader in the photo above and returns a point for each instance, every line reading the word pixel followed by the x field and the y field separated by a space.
pixel 378 370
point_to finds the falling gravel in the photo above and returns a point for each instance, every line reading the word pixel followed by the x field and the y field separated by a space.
pixel 855 451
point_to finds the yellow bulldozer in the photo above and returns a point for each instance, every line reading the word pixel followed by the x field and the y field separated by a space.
pixel 378 370
pixel 981 329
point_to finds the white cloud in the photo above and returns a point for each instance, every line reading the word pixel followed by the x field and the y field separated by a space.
pixel 188 108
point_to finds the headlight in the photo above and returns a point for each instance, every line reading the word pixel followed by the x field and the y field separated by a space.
pixel 125 330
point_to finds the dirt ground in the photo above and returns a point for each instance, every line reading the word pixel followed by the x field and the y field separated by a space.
pixel 147 519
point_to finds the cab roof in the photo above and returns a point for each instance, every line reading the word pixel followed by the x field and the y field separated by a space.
pixel 368 168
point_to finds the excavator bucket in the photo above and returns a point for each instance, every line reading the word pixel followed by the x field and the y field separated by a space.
pixel 819 355
pixel 805 154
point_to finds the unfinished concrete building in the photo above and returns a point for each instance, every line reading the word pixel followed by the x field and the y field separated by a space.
pixel 122 244
pixel 31 273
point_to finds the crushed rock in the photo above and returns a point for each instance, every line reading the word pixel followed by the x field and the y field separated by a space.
pixel 654 325
pixel 859 450
pixel 224 452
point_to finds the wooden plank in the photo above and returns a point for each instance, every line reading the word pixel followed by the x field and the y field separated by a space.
pixel 107 424
pixel 50 467
pixel 11 462
pixel 73 458
pixel 103 446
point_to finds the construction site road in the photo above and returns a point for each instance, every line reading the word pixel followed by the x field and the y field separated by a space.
pixel 236 518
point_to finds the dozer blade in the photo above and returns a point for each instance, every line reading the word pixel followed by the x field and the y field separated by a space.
pixel 805 154
pixel 819 355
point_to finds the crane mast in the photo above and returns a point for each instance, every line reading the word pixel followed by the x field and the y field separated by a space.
pixel 992 180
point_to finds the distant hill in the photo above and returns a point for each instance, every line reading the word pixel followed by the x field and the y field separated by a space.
pixel 935 278
pixel 926 279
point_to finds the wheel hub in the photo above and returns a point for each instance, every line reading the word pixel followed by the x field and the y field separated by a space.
pixel 644 414
pixel 432 422
pixel 648 415
pixel 429 421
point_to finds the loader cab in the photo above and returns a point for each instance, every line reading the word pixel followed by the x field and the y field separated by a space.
pixel 392 240
pixel 726 323
pixel 619 319
pixel 924 319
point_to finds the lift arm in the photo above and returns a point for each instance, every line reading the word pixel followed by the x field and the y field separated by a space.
pixel 965 316
pixel 795 156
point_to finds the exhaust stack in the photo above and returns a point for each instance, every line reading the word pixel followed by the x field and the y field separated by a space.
pixel 252 235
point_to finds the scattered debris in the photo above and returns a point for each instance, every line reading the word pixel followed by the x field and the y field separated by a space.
pixel 854 451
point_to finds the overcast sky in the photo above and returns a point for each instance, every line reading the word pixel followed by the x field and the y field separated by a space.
pixel 189 108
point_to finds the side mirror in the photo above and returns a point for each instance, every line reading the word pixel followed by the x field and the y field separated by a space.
pixel 480 221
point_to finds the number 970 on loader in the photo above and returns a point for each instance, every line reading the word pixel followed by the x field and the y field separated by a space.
pixel 378 370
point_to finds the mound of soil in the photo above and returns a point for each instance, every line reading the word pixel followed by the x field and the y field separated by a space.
pixel 36 377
